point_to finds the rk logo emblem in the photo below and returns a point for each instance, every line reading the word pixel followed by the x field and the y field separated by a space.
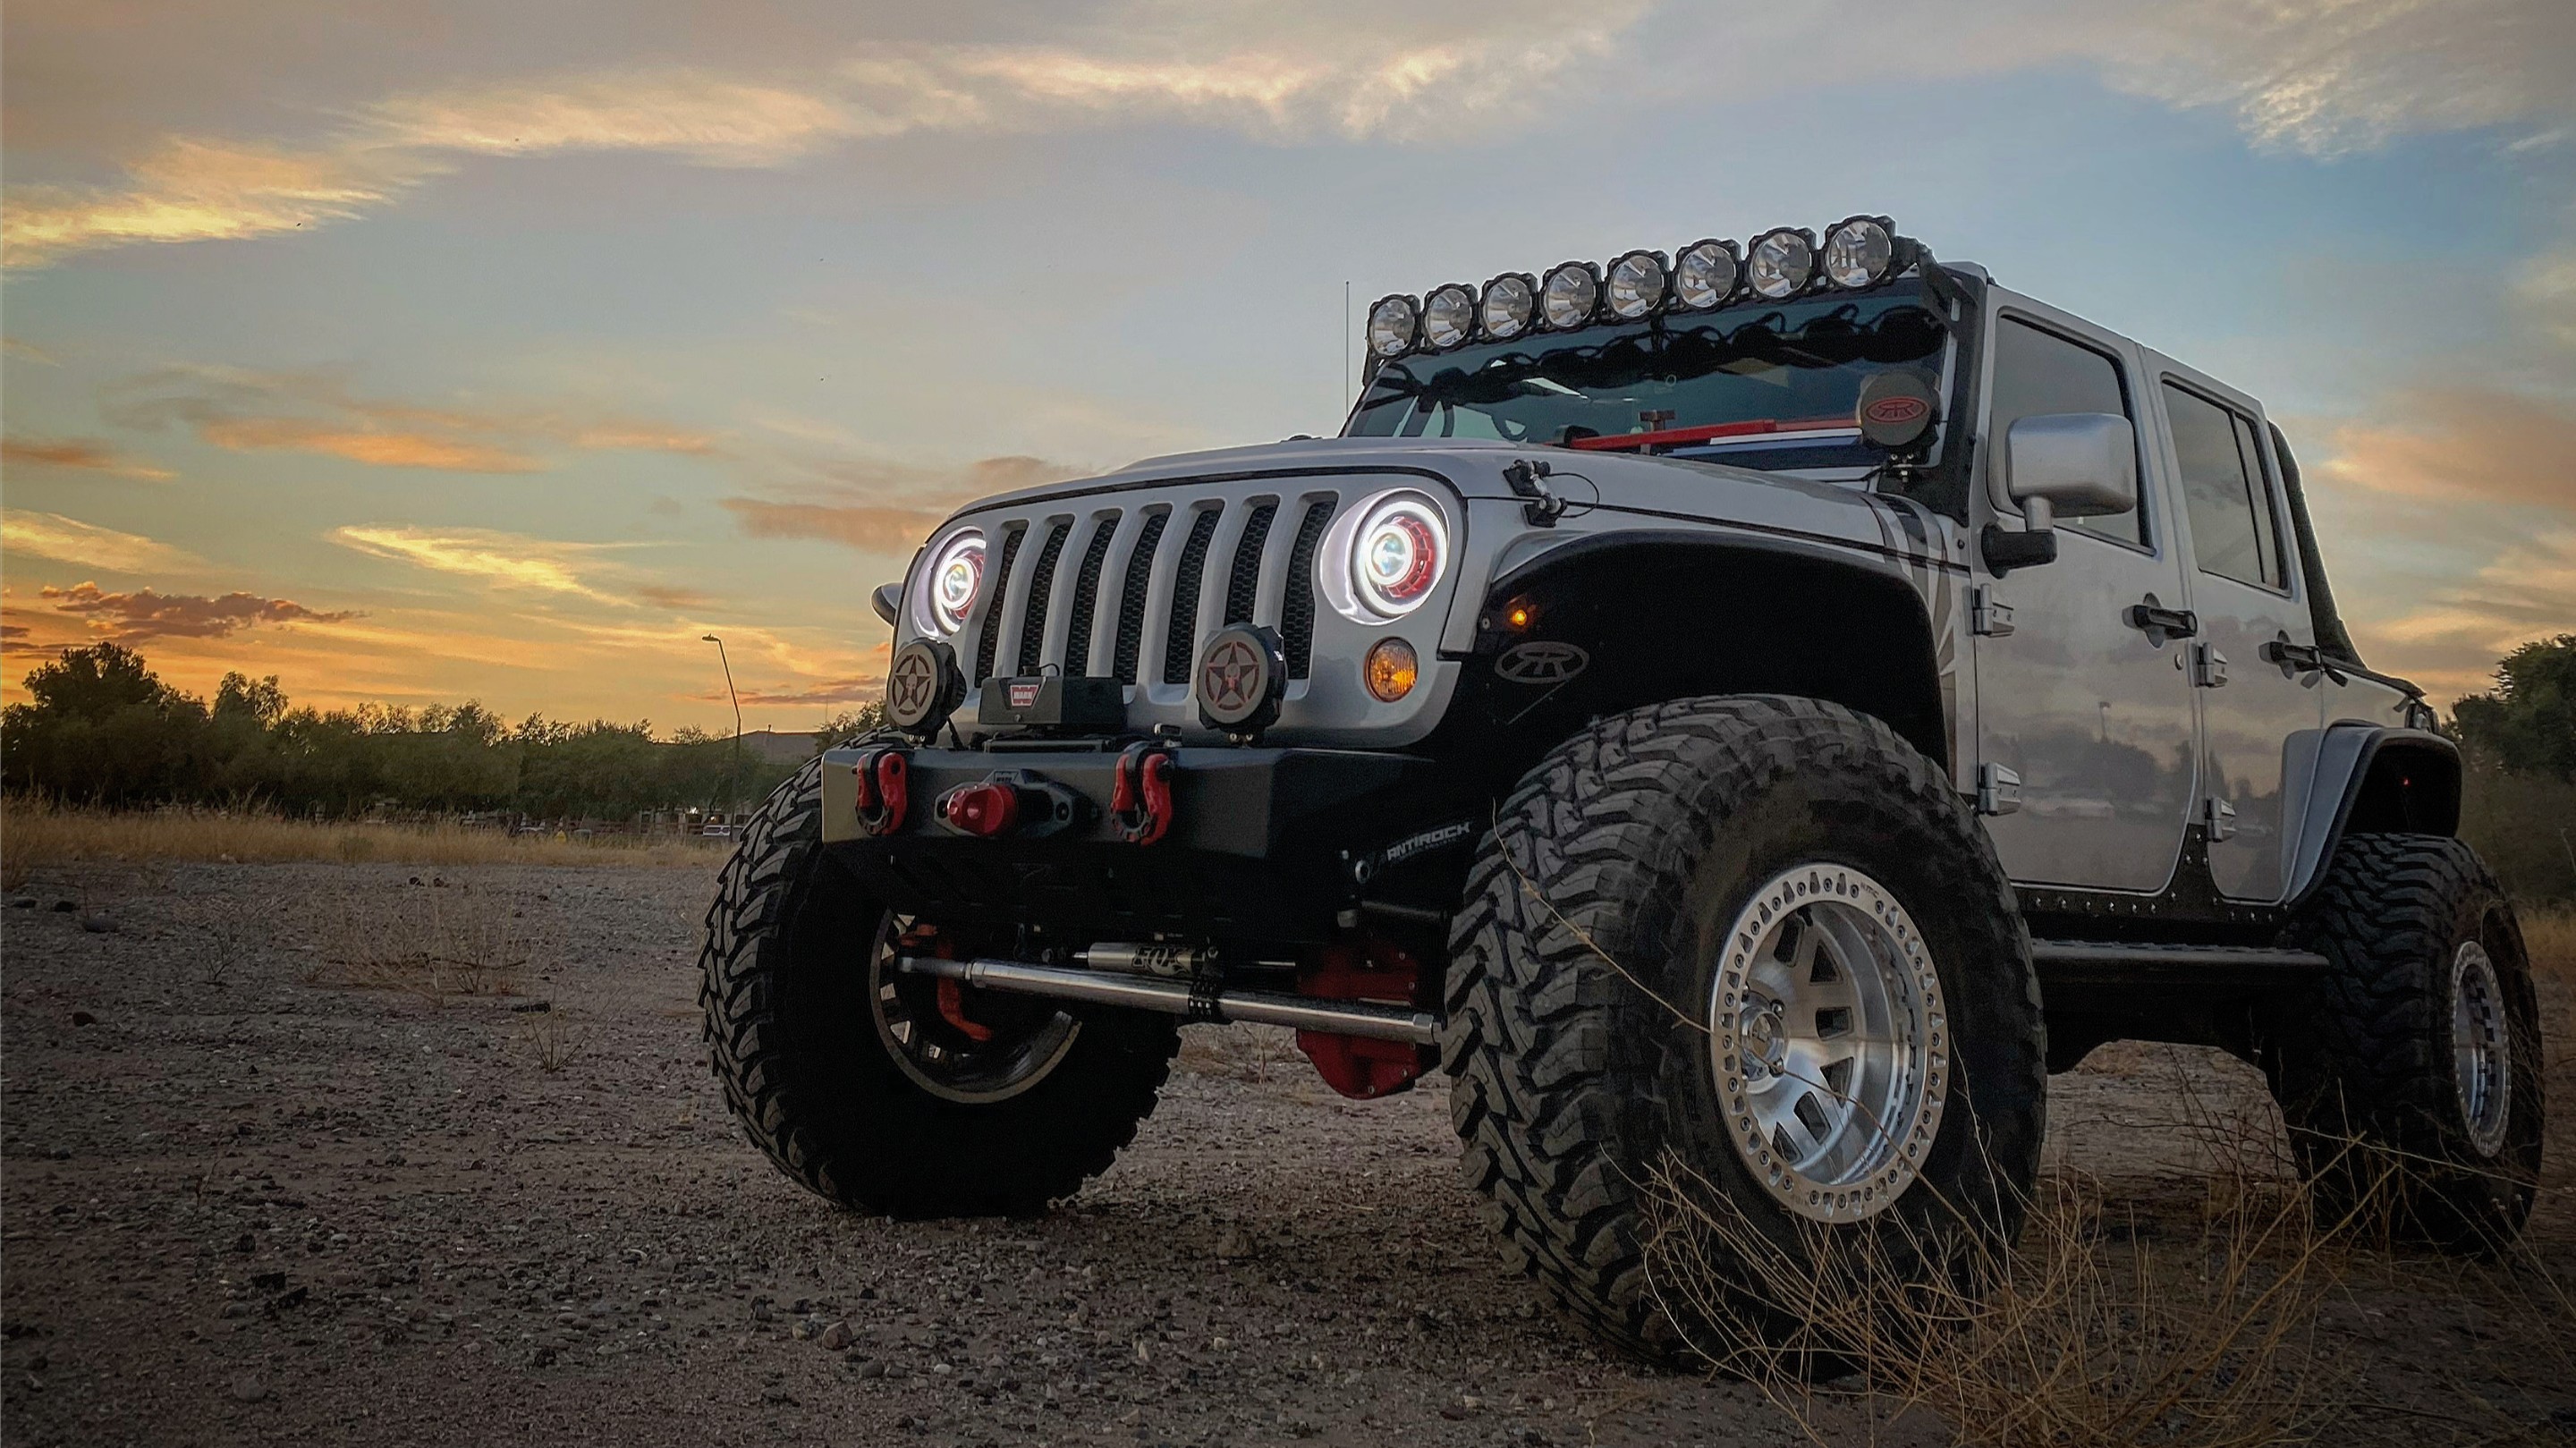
pixel 1232 678
pixel 911 684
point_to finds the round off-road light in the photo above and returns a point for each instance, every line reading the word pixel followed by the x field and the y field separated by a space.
pixel 1705 274
pixel 1571 296
pixel 1510 305
pixel 1243 676
pixel 923 686
pixel 1392 323
pixel 945 592
pixel 1781 263
pixel 1859 251
pixel 1635 285
pixel 1448 316
pixel 1389 669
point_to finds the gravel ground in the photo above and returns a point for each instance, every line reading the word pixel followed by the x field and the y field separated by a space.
pixel 362 1154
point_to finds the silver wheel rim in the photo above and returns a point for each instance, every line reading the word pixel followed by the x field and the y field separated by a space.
pixel 1830 1042
pixel 935 1057
pixel 2481 1049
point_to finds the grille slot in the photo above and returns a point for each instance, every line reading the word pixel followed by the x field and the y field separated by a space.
pixel 996 606
pixel 1243 586
pixel 1086 597
pixel 1297 610
pixel 1182 636
pixel 1131 599
pixel 1041 591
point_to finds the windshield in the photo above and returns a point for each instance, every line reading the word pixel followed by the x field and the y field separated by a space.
pixel 1777 383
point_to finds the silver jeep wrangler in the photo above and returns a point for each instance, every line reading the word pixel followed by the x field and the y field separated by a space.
pixel 1747 716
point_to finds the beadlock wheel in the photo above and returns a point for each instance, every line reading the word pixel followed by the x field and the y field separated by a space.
pixel 1830 1043
pixel 2481 1047
pixel 1021 1040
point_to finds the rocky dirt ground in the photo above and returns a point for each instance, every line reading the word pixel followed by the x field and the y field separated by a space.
pixel 372 1154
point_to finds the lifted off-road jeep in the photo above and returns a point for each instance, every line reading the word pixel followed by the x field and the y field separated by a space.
pixel 1757 711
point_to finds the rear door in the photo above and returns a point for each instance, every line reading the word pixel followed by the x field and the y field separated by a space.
pixel 2086 711
pixel 2248 591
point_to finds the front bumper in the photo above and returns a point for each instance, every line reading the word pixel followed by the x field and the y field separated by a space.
pixel 1263 843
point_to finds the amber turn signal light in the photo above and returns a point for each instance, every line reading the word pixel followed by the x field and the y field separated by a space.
pixel 1390 669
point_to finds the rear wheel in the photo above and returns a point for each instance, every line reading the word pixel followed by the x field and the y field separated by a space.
pixel 896 1093
pixel 1750 961
pixel 2410 1075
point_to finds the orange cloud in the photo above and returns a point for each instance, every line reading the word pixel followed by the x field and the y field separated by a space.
pixel 665 597
pixel 837 691
pixel 505 558
pixel 378 449
pixel 78 453
pixel 315 412
pixel 68 540
pixel 889 527
pixel 868 529
pixel 2459 443
pixel 146 613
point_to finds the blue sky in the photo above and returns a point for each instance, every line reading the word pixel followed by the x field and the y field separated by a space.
pixel 420 353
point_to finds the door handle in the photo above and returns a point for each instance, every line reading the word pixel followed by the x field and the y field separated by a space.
pixel 2160 623
pixel 2296 659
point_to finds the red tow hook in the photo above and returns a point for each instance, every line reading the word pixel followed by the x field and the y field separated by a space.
pixel 1140 793
pixel 989 808
pixel 883 778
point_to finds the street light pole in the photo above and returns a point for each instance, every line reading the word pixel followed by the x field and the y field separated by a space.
pixel 733 774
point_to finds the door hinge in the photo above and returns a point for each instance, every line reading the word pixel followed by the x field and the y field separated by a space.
pixel 2222 819
pixel 1988 616
pixel 2208 667
pixel 1998 790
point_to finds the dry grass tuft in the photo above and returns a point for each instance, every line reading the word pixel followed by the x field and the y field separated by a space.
pixel 551 1039
pixel 2549 933
pixel 435 943
pixel 36 833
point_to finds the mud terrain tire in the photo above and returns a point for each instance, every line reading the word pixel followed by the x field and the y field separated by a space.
pixel 2367 1072
pixel 792 1038
pixel 1573 1079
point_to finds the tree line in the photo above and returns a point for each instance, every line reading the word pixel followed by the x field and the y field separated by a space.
pixel 101 728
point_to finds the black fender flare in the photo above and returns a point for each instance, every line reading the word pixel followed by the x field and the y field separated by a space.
pixel 2345 762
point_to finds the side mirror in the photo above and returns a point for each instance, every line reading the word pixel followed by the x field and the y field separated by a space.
pixel 2075 464
pixel 888 600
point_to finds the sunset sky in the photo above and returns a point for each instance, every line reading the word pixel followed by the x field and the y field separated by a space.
pixel 423 351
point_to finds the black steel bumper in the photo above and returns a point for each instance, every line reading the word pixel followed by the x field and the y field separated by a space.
pixel 1263 843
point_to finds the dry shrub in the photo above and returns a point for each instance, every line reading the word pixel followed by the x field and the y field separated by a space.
pixel 2549 933
pixel 551 1039
pixel 37 832
pixel 434 943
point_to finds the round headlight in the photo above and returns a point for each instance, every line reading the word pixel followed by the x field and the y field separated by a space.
pixel 1635 286
pixel 1398 553
pixel 945 593
pixel 1705 273
pixel 1859 252
pixel 1511 301
pixel 1781 263
pixel 1571 296
pixel 1391 325
pixel 1449 316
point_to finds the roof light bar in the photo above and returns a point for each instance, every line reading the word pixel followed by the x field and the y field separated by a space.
pixel 1858 252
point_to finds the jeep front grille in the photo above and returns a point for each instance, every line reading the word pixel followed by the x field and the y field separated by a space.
pixel 1225 551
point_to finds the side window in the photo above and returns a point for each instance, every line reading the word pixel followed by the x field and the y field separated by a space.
pixel 2037 373
pixel 2225 492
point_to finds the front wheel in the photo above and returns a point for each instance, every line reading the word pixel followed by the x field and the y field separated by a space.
pixel 1746 953
pixel 894 1093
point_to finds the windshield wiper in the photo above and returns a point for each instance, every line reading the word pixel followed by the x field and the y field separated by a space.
pixel 1709 432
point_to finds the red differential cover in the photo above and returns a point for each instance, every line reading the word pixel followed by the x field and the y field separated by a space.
pixel 1369 968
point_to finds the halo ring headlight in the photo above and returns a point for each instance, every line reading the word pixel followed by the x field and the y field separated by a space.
pixel 1781 263
pixel 1384 558
pixel 1635 285
pixel 1510 305
pixel 1706 274
pixel 1571 296
pixel 1859 251
pixel 1448 316
pixel 1393 324
pixel 945 592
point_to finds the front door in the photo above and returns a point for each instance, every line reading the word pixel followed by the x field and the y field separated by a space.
pixel 2247 593
pixel 2090 711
